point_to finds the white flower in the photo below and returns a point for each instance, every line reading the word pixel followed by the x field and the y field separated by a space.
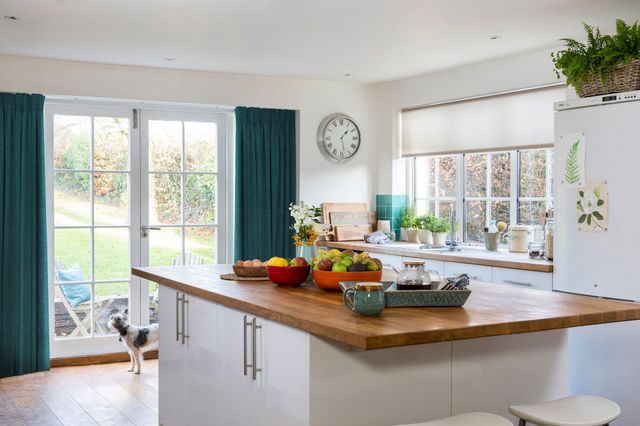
pixel 590 202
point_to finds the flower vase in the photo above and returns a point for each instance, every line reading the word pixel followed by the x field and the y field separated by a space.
pixel 305 251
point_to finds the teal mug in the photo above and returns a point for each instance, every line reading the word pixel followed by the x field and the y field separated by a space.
pixel 365 298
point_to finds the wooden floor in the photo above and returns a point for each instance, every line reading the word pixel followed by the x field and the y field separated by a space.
pixel 103 394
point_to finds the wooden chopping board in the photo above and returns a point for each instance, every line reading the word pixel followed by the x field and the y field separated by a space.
pixel 340 207
pixel 352 218
pixel 351 232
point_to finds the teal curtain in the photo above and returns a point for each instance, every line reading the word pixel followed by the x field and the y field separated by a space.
pixel 24 322
pixel 265 182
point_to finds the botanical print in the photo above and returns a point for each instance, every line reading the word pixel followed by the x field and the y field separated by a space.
pixel 592 207
pixel 571 159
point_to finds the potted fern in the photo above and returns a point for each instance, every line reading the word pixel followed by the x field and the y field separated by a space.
pixel 408 228
pixel 423 223
pixel 604 63
pixel 439 228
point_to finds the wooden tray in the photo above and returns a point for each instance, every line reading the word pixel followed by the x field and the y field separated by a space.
pixel 234 277
pixel 417 298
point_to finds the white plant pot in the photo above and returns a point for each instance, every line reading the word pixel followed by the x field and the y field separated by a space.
pixel 412 236
pixel 403 234
pixel 440 239
pixel 425 236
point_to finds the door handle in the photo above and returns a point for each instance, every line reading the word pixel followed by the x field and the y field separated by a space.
pixel 144 230
pixel 178 299
pixel 244 341
pixel 254 351
pixel 185 336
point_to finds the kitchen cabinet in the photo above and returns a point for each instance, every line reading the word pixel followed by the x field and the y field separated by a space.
pixel 539 280
pixel 389 259
pixel 475 272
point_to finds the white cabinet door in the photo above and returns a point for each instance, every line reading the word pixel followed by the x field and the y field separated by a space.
pixel 517 277
pixel 237 402
pixel 284 381
pixel 171 363
pixel 202 361
pixel 388 259
pixel 436 265
pixel 475 272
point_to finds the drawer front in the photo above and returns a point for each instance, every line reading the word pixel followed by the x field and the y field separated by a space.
pixel 388 259
pixel 517 277
pixel 436 265
pixel 475 272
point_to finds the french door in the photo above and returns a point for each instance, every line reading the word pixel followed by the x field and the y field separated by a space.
pixel 126 188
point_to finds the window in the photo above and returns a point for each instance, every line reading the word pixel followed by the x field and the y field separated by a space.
pixel 511 186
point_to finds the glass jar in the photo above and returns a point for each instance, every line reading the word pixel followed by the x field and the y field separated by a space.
pixel 414 277
pixel 548 239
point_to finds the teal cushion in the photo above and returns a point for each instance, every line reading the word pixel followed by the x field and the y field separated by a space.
pixel 75 294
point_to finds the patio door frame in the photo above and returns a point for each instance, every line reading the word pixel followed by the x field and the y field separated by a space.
pixel 138 198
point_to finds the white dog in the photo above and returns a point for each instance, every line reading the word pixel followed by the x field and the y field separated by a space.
pixel 137 339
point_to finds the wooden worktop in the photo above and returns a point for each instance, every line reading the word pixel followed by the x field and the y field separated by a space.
pixel 492 309
pixel 502 259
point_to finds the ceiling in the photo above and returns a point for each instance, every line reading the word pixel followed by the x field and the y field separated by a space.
pixel 372 40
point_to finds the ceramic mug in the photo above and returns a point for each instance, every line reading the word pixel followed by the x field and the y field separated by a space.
pixel 365 298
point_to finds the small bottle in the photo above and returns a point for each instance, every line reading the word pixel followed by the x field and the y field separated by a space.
pixel 493 229
pixel 548 236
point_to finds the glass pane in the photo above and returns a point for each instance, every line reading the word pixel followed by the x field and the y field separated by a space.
pixel 165 146
pixel 164 202
pixel 111 198
pixel 476 221
pixel 200 145
pixel 71 142
pixel 500 211
pixel 500 174
pixel 165 247
pixel 533 171
pixel 71 198
pixel 421 207
pixel 200 245
pixel 110 143
pixel 531 212
pixel 154 302
pixel 110 298
pixel 445 206
pixel 111 253
pixel 73 247
pixel 550 159
pixel 448 166
pixel 72 310
pixel 422 177
pixel 200 199
pixel 476 173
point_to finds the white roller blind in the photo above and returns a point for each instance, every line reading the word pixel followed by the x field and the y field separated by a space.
pixel 517 119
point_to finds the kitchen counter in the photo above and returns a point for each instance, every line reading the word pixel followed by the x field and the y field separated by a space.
pixel 502 258
pixel 491 310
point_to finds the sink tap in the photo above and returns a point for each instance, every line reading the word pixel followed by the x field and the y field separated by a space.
pixel 452 243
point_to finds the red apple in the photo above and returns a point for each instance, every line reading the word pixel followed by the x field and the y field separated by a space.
pixel 325 265
pixel 299 261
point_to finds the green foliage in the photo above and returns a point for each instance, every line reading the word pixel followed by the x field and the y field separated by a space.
pixel 440 225
pixel 408 217
pixel 582 62
pixel 425 221
pixel 571 166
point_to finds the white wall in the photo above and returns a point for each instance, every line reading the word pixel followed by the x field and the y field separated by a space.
pixel 319 180
pixel 501 75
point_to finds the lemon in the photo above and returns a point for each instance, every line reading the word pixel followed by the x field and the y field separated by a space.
pixel 277 261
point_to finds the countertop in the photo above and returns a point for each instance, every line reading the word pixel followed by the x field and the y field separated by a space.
pixel 491 310
pixel 502 258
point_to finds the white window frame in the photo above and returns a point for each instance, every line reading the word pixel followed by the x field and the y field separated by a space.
pixel 461 200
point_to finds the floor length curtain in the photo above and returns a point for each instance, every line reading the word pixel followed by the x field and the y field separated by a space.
pixel 24 328
pixel 265 182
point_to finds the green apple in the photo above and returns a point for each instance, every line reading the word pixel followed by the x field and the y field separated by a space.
pixel 339 267
pixel 372 266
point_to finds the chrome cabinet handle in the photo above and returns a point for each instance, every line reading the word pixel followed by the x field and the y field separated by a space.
pixel 185 336
pixel 245 324
pixel 254 351
pixel 517 283
pixel 178 299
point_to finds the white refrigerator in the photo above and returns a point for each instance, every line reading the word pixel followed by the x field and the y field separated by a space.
pixel 604 360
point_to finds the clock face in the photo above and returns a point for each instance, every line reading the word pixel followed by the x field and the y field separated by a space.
pixel 338 138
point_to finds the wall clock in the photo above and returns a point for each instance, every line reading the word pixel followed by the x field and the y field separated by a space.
pixel 338 138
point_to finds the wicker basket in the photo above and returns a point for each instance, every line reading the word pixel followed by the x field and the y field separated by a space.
pixel 623 78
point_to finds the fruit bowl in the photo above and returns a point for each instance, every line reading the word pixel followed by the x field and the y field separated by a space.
pixel 329 280
pixel 250 271
pixel 288 276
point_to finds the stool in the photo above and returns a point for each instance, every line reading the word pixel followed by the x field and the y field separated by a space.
pixel 467 419
pixel 581 410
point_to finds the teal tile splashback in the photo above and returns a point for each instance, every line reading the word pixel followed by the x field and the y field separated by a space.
pixel 389 207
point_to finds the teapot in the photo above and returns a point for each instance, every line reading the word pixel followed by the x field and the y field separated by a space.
pixel 414 277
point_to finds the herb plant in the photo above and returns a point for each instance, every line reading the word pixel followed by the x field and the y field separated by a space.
pixel 440 225
pixel 408 218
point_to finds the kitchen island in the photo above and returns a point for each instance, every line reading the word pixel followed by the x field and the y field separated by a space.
pixel 243 353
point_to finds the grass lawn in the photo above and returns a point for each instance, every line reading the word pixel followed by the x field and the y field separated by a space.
pixel 111 246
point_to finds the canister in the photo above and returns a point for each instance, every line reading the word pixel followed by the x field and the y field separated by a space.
pixel 519 238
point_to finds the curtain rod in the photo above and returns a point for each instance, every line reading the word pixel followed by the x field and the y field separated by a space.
pixel 66 99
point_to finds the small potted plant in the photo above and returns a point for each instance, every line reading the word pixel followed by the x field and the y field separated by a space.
pixel 424 222
pixel 408 228
pixel 604 63
pixel 439 228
